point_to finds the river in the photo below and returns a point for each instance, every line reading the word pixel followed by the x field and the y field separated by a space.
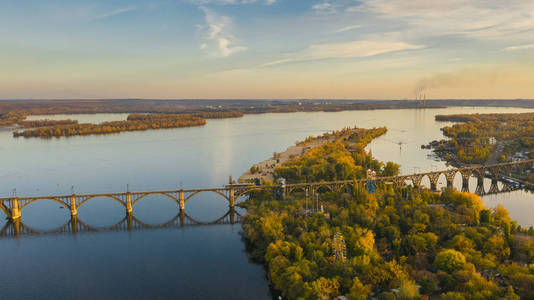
pixel 194 262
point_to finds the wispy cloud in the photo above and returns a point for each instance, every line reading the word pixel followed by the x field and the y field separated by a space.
pixel 115 12
pixel 217 36
pixel 324 8
pixel 520 47
pixel 234 2
pixel 480 19
pixel 346 50
pixel 346 28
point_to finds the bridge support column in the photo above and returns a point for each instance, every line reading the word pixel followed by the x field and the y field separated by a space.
pixel 182 201
pixel 465 182
pixel 232 198
pixel 399 182
pixel 433 186
pixel 74 223
pixel 480 186
pixel 182 218
pixel 449 176
pixel 232 215
pixel 73 208
pixel 416 181
pixel 15 211
pixel 494 188
pixel 434 178
pixel 16 223
pixel 129 221
pixel 129 208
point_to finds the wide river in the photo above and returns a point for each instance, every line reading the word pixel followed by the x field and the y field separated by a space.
pixel 193 262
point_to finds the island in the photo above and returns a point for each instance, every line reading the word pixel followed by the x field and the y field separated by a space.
pixel 381 242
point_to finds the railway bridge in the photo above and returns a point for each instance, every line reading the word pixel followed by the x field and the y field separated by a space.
pixel 13 206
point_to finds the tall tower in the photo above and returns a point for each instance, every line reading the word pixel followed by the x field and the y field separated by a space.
pixel 339 250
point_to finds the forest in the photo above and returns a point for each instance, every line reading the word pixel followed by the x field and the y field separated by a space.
pixel 343 159
pixel 397 243
pixel 469 140
pixel 45 123
pixel 134 124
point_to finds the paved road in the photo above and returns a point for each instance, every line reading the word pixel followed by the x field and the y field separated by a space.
pixel 496 153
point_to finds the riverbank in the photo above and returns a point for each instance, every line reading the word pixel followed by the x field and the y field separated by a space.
pixel 355 139
pixel 264 171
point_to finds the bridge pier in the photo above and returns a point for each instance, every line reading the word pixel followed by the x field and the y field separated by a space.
pixel 494 188
pixel 15 211
pixel 232 215
pixel 449 176
pixel 465 181
pixel 16 223
pixel 416 181
pixel 73 208
pixel 129 221
pixel 434 178
pixel 74 223
pixel 480 186
pixel 129 208
pixel 182 218
pixel 182 201
pixel 232 198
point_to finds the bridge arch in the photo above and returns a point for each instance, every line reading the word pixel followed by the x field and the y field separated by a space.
pixel 86 227
pixel 479 172
pixel 4 209
pixel 293 189
pixel 156 193
pixel 101 196
pixel 440 176
pixel 323 185
pixel 252 189
pixel 40 199
pixel 28 230
pixel 209 191
pixel 217 221
pixel 165 224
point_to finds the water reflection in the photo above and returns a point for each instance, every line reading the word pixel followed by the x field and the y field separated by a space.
pixel 17 228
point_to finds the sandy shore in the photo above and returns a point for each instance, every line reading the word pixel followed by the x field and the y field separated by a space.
pixel 265 169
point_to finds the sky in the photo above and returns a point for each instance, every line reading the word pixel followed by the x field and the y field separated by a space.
pixel 267 49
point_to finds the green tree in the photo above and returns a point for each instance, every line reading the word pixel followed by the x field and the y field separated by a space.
pixel 449 260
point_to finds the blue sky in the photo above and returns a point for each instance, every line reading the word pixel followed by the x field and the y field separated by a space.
pixel 346 49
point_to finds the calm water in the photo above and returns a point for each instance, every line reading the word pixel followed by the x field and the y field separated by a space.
pixel 206 262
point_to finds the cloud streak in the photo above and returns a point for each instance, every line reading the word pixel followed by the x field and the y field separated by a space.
pixel 234 2
pixel 346 50
pixel 115 12
pixel 480 19
pixel 347 28
pixel 520 47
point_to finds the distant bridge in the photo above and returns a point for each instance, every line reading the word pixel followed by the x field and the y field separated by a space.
pixel 13 206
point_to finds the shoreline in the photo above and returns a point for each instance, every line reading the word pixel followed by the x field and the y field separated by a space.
pixel 265 168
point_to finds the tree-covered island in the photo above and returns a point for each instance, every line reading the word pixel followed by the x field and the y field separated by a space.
pixel 387 244
pixel 486 138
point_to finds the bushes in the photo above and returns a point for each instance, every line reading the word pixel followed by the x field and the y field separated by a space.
pixel 449 260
